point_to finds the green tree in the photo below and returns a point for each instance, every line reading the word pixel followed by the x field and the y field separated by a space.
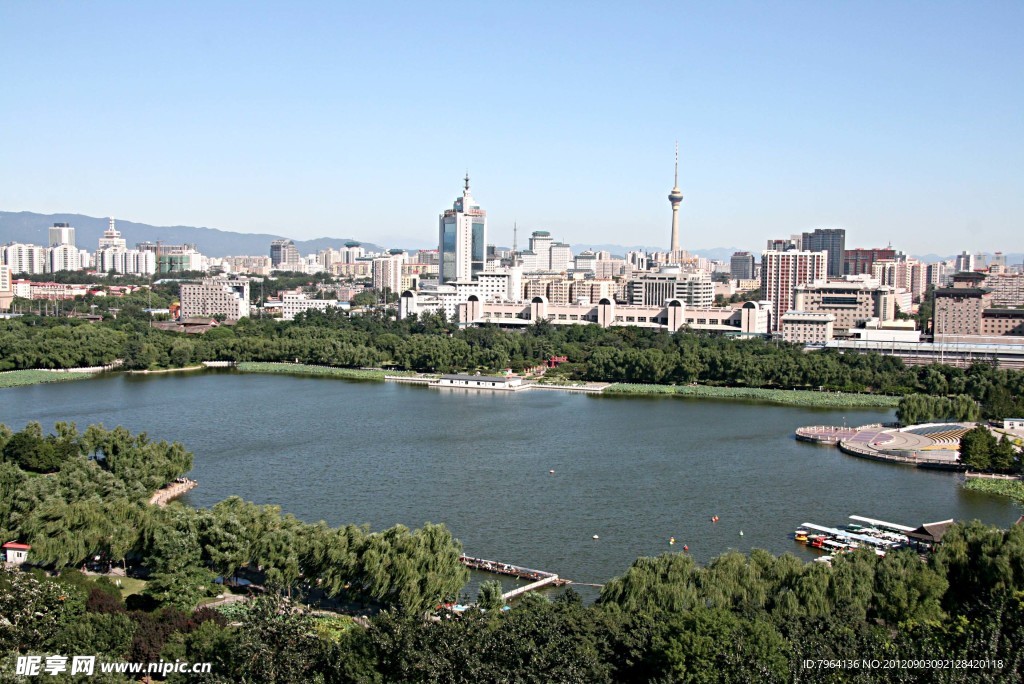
pixel 977 447
pixel 490 596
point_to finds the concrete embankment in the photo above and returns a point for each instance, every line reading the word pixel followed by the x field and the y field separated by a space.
pixel 168 493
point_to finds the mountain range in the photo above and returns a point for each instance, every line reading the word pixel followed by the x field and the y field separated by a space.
pixel 32 228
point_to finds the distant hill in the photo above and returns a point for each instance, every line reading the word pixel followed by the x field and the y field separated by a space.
pixel 26 226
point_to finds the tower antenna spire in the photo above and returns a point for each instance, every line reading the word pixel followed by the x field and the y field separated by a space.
pixel 515 238
pixel 676 183
pixel 467 180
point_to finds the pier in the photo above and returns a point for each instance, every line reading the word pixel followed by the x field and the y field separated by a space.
pixel 168 493
pixel 540 578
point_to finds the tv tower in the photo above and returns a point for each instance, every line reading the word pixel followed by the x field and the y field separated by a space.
pixel 675 197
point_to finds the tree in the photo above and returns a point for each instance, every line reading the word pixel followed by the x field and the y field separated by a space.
pixel 1004 456
pixel 976 448
pixel 490 596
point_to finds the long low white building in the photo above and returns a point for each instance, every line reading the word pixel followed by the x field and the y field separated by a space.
pixel 751 318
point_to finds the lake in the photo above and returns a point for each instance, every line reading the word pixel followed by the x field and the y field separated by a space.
pixel 634 471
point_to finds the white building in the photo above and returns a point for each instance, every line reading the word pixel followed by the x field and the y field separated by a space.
pixel 387 271
pixel 112 237
pixel 62 234
pixel 63 257
pixel 649 289
pixel 294 302
pixel 216 296
pixel 462 239
pixel 804 327
pixel 24 258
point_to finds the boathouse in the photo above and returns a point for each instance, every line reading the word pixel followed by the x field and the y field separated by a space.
pixel 15 553
pixel 492 382
pixel 930 533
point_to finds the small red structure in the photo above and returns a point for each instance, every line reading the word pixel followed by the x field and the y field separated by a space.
pixel 15 552
pixel 555 360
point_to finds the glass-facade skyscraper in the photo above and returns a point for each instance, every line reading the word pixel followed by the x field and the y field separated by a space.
pixel 462 239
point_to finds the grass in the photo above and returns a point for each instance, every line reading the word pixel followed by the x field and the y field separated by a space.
pixel 306 369
pixel 20 378
pixel 774 396
pixel 1011 488
pixel 130 585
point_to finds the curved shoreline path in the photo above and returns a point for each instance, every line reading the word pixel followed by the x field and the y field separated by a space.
pixel 931 445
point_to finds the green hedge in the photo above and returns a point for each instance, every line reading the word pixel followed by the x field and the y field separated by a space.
pixel 305 369
pixel 775 396
pixel 19 378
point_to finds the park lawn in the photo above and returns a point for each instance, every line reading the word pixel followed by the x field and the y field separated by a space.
pixel 131 585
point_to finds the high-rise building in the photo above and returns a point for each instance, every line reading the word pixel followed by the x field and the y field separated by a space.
pixel 861 261
pixel 24 258
pixel 387 271
pixel 62 234
pixel 831 240
pixel 654 289
pixel 462 239
pixel 112 237
pixel 216 296
pixel 284 256
pixel 561 257
pixel 741 266
pixel 964 262
pixel 782 272
pixel 675 197
pixel 63 257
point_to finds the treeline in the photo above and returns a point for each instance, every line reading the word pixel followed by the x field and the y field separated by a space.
pixel 921 408
pixel 980 449
pixel 93 502
pixel 742 618
pixel 432 344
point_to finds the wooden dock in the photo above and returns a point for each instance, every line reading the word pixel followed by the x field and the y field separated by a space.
pixel 540 578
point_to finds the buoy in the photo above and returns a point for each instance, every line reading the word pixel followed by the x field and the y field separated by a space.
pixel 595 537
pixel 671 540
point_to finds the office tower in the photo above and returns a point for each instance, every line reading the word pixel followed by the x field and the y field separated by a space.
pixel 674 198
pixel 860 261
pixel 284 256
pixel 964 262
pixel 216 296
pixel 112 238
pixel 782 272
pixel 831 240
pixel 62 234
pixel 741 266
pixel 462 239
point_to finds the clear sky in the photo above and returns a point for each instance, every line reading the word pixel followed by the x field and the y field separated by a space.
pixel 899 121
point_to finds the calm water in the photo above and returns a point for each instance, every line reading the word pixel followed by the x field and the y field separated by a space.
pixel 633 471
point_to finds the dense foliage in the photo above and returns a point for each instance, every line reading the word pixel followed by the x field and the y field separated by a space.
pixel 94 502
pixel 742 618
pixel 432 344
pixel 919 408
pixel 980 449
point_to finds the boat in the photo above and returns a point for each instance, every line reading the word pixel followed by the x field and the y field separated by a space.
pixel 800 535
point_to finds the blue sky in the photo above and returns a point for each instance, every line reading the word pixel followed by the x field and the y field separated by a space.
pixel 899 121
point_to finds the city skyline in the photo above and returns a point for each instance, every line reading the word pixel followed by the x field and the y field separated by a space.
pixel 897 125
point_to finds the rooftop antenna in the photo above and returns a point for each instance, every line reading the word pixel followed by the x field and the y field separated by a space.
pixel 515 238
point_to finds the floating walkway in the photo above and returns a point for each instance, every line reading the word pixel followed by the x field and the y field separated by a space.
pixel 541 578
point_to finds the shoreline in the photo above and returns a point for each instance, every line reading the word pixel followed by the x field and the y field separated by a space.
pixel 780 397
pixel 804 398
